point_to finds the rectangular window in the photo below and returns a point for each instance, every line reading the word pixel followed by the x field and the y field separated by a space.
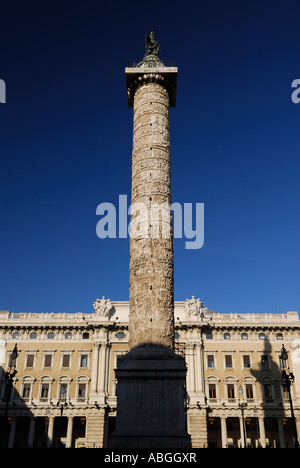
pixel 226 336
pixel 30 360
pixel 249 391
pixel 209 336
pixel 246 361
pixel 212 391
pixel 230 391
pixel 285 392
pixel 228 361
pixel 66 360
pixel 26 390
pixel 264 362
pixel 48 361
pixel 210 361
pixel 244 336
pixel 83 360
pixel 81 391
pixel 45 391
pixel 63 391
pixel 283 363
pixel 267 391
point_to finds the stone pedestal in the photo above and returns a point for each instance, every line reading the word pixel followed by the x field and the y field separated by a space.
pixel 151 411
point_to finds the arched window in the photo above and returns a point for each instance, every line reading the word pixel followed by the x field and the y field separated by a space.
pixel 248 387
pixel 231 388
pixel 45 388
pixel 82 383
pixel 212 388
pixel 64 383
pixel 268 389
pixel 27 387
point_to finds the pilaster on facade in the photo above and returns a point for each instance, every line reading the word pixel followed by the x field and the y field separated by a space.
pixel 96 428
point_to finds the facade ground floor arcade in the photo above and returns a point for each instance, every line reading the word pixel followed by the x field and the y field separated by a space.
pixel 254 432
pixel 92 429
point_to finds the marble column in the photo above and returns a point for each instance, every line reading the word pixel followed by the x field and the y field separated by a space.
pixel 50 431
pixel 69 432
pixel 31 432
pixel 262 431
pixel 223 432
pixel 12 433
pixel 281 433
pixel 242 431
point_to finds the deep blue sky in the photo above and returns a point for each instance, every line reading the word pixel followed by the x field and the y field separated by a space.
pixel 66 140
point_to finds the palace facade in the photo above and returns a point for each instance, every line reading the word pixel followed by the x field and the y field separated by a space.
pixel 58 387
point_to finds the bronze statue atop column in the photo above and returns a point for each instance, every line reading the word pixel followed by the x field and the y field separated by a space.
pixel 152 46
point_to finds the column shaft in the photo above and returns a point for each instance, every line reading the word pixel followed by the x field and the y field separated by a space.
pixel 262 432
pixel 69 432
pixel 223 432
pixel 50 431
pixel 151 317
pixel 242 431
pixel 12 433
pixel 31 432
pixel 281 432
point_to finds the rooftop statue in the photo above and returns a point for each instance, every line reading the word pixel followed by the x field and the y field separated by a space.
pixel 103 307
pixel 152 46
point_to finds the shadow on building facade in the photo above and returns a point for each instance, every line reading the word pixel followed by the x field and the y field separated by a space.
pixel 255 412
pixel 21 427
pixel 17 423
pixel 274 423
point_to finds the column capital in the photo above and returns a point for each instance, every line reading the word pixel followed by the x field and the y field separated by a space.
pixel 151 71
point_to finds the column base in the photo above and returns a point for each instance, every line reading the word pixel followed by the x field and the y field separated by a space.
pixel 150 405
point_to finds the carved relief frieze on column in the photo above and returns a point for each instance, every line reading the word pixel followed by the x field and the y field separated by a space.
pixel 151 253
